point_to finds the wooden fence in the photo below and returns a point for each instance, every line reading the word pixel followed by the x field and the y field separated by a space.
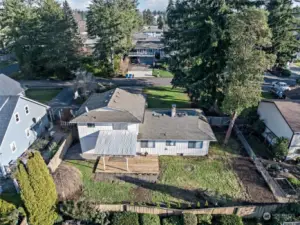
pixel 243 211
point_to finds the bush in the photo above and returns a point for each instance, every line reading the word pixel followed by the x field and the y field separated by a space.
pixel 172 220
pixel 149 219
pixel 125 218
pixel 298 81
pixel 286 73
pixel 204 219
pixel 189 219
pixel 8 213
pixel 281 148
pixel 229 220
pixel 294 181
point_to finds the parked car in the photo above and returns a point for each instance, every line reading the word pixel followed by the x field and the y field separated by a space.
pixel 278 93
pixel 282 86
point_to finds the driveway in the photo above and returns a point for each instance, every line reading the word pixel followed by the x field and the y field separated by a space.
pixel 140 71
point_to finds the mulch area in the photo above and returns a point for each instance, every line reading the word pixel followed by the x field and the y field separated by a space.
pixel 254 183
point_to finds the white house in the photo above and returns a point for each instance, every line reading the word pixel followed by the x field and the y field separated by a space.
pixel 282 119
pixel 116 123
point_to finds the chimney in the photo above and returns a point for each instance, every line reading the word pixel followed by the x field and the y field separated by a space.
pixel 86 109
pixel 173 111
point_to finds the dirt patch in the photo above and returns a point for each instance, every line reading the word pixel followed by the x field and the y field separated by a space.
pixel 253 182
pixel 142 195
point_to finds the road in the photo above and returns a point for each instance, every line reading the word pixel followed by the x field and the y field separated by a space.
pixel 142 82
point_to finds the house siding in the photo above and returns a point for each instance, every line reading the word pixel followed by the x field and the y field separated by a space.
pixel 16 131
pixel 274 121
pixel 88 135
pixel 181 147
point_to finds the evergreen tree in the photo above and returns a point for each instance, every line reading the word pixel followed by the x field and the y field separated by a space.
pixel 38 190
pixel 148 17
pixel 283 24
pixel 160 22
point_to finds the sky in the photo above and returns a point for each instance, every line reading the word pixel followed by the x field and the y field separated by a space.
pixel 143 4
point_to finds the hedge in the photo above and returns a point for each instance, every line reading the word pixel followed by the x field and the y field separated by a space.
pixel 204 219
pixel 229 220
pixel 189 219
pixel 149 219
pixel 172 220
pixel 125 218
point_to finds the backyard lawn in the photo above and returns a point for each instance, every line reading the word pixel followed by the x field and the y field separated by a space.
pixel 164 97
pixel 181 180
pixel 267 95
pixel 42 95
pixel 162 73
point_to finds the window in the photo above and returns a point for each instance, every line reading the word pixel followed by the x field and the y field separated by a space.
pixel 90 125
pixel 27 132
pixel 170 143
pixel 17 117
pixel 26 110
pixel 13 146
pixel 195 144
pixel 120 126
pixel 147 144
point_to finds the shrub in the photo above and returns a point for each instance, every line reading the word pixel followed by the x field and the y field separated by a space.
pixel 204 219
pixel 286 73
pixel 149 219
pixel 298 81
pixel 189 219
pixel 172 220
pixel 281 148
pixel 8 213
pixel 294 181
pixel 125 218
pixel 229 220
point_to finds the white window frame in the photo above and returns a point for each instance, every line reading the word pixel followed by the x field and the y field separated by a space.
pixel 27 130
pixel 170 143
pixel 17 114
pixel 146 142
pixel 26 106
pixel 13 144
pixel 195 143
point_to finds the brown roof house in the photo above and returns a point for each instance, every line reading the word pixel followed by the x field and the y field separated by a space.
pixel 282 119
pixel 116 123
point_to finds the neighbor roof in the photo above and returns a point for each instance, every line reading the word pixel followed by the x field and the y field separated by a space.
pixel 126 107
pixel 149 45
pixel 9 86
pixel 7 107
pixel 290 110
pixel 159 125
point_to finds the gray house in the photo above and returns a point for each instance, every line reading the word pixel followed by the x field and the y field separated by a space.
pixel 9 86
pixel 22 121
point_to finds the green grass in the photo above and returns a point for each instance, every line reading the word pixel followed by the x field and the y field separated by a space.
pixel 42 95
pixel 180 177
pixel 267 95
pixel 164 97
pixel 162 73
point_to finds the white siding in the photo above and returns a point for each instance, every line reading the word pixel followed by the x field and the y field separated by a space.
pixel 273 119
pixel 180 148
pixel 88 135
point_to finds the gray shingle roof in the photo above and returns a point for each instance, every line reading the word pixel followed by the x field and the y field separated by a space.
pixel 161 126
pixel 7 107
pixel 117 142
pixel 9 86
pixel 149 45
pixel 128 107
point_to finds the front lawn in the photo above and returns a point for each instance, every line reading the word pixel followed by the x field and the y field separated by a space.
pixel 182 179
pixel 42 95
pixel 164 97
pixel 162 73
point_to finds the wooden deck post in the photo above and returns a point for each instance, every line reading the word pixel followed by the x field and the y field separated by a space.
pixel 127 164
pixel 103 163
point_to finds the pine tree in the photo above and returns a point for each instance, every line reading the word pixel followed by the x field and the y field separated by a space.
pixel 160 22
pixel 38 190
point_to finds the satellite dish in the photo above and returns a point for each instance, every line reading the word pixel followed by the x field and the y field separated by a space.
pixel 266 216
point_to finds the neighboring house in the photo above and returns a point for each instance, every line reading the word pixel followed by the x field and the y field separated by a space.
pixel 153 31
pixel 9 86
pixel 282 119
pixel 22 121
pixel 116 123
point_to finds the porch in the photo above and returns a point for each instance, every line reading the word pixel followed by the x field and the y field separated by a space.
pixel 128 165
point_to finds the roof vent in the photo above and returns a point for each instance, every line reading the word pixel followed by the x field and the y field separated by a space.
pixel 173 110
pixel 86 109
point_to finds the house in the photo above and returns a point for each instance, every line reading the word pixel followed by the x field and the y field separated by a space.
pixel 9 86
pixel 282 119
pixel 22 121
pixel 153 31
pixel 116 123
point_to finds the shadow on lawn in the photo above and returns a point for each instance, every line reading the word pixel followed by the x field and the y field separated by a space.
pixel 192 196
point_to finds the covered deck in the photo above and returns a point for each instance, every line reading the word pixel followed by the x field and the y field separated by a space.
pixel 128 165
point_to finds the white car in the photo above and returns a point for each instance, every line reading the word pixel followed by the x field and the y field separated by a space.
pixel 282 86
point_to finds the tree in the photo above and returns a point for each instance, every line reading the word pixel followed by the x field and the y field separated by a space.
pixel 148 17
pixel 113 23
pixel 249 33
pixel 8 213
pixel 160 22
pixel 281 148
pixel 283 24
pixel 37 190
